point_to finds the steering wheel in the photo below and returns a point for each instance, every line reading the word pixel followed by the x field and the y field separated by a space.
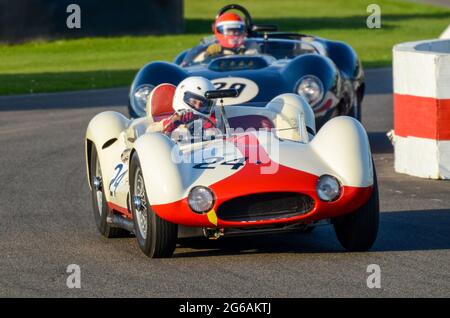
pixel 248 18
pixel 191 125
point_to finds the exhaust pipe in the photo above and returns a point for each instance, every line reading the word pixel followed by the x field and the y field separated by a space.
pixel 120 221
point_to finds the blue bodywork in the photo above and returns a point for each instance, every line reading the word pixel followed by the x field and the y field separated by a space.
pixel 334 63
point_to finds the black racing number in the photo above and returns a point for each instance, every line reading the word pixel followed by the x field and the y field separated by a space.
pixel 235 163
pixel 219 85
pixel 237 86
pixel 212 162
pixel 208 163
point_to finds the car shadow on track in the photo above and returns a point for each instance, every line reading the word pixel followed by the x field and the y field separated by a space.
pixel 399 231
pixel 418 230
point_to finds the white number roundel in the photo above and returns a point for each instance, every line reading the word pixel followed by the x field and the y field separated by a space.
pixel 247 89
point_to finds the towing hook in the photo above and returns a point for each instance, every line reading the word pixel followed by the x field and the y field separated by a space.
pixel 213 234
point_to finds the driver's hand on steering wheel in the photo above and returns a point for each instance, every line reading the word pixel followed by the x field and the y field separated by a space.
pixel 183 117
pixel 177 119
pixel 213 49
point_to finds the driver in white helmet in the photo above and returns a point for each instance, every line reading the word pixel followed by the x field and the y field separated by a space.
pixel 189 103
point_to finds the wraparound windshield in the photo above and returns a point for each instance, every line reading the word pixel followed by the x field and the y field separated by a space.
pixel 275 48
pixel 281 116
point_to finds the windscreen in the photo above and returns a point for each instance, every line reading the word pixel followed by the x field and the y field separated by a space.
pixel 274 48
pixel 285 119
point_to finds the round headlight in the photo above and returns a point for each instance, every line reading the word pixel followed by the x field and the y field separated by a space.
pixel 311 88
pixel 201 199
pixel 328 188
pixel 141 96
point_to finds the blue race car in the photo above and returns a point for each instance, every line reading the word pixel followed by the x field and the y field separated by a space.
pixel 328 74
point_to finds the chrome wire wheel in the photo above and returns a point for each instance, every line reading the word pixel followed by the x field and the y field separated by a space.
pixel 98 185
pixel 155 236
pixel 140 202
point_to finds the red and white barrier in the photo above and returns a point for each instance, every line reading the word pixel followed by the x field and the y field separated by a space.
pixel 422 108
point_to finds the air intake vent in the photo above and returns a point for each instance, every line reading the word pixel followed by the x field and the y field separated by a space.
pixel 265 206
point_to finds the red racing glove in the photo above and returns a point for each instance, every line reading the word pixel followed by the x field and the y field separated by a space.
pixel 172 123
pixel 186 117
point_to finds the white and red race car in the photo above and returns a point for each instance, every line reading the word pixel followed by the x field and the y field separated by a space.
pixel 261 169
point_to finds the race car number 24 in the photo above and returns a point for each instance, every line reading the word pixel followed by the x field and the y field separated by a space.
pixel 213 162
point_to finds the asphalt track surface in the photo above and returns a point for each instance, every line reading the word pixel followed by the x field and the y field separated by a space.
pixel 46 222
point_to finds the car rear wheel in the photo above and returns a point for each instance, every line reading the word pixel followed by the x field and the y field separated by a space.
pixel 99 203
pixel 358 231
pixel 357 107
pixel 156 237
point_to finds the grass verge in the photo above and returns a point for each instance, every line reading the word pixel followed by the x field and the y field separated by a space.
pixel 91 63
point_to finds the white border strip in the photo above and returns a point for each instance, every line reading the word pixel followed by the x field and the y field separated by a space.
pixel 422 68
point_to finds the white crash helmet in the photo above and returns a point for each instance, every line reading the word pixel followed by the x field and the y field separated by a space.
pixel 190 95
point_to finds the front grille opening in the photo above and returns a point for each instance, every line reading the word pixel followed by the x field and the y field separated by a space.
pixel 265 206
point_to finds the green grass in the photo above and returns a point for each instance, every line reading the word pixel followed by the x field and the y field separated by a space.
pixel 87 63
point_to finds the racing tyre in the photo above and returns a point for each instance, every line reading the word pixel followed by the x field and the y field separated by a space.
pixel 359 111
pixel 309 229
pixel 99 204
pixel 357 231
pixel 357 108
pixel 355 111
pixel 156 237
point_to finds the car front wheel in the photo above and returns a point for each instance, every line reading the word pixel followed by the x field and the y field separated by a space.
pixel 358 230
pixel 156 237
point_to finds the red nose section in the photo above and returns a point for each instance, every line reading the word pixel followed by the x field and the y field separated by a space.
pixel 261 175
